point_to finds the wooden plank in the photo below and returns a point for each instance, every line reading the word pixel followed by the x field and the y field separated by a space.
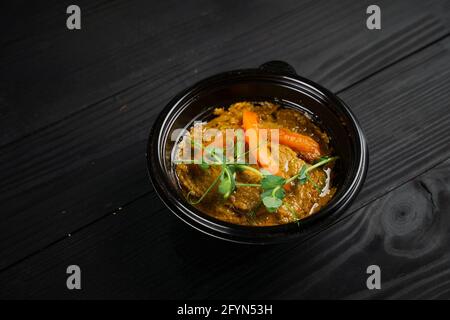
pixel 405 233
pixel 48 73
pixel 66 177
pixel 144 252
pixel 119 45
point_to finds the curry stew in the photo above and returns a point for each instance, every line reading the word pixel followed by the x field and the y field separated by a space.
pixel 256 194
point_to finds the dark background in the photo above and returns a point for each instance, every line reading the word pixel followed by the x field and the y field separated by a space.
pixel 76 108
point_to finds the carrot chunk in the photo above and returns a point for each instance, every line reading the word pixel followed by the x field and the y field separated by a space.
pixel 303 144
pixel 250 121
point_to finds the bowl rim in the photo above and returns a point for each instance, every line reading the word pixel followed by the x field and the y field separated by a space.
pixel 243 233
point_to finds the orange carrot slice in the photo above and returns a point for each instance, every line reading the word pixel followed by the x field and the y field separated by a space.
pixel 250 121
pixel 306 145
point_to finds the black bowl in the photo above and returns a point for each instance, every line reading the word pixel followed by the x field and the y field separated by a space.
pixel 273 81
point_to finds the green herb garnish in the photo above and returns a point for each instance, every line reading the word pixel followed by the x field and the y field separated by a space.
pixel 272 203
pixel 205 193
pixel 227 181
pixel 272 186
pixel 270 182
pixel 204 165
pixel 302 174
pixel 273 192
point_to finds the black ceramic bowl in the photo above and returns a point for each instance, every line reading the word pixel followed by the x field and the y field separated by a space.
pixel 273 81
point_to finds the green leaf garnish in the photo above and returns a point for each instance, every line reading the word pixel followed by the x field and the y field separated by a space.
pixel 279 193
pixel 225 186
pixel 266 193
pixel 204 165
pixel 271 181
pixel 227 181
pixel 302 177
pixel 273 192
pixel 272 203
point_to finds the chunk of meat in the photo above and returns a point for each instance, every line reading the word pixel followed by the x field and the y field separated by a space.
pixel 243 206
pixel 246 199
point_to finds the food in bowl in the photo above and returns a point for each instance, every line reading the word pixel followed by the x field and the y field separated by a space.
pixel 256 164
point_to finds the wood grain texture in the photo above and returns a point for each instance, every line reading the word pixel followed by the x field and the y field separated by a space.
pixel 68 176
pixel 144 252
pixel 91 162
pixel 48 73
pixel 75 112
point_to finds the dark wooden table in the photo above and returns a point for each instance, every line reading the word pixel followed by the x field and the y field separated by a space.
pixel 76 108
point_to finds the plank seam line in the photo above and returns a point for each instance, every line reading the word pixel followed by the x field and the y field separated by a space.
pixel 36 252
pixel 73 114
pixel 393 63
pixel 348 215
pixel 121 91
pixel 146 193
pixel 383 194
